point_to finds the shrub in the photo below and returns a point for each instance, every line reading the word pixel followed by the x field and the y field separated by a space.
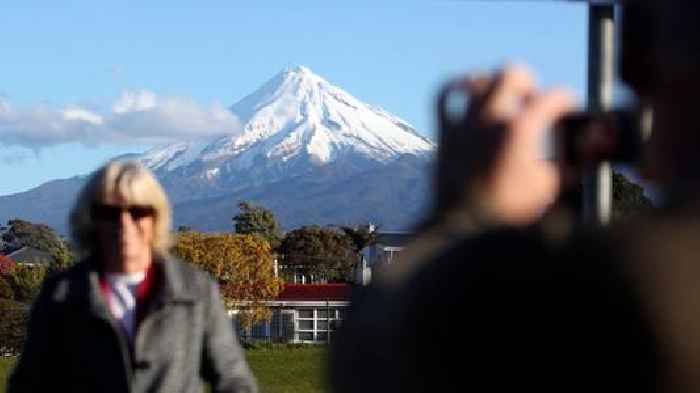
pixel 12 326
pixel 6 291
pixel 26 282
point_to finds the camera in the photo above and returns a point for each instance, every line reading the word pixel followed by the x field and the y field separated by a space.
pixel 580 139
pixel 584 139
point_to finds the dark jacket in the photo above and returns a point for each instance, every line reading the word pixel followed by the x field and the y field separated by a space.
pixel 75 345
pixel 510 310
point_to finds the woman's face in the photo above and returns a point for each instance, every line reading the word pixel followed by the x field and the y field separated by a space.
pixel 125 233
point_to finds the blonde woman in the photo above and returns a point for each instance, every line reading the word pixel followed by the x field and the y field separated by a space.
pixel 128 318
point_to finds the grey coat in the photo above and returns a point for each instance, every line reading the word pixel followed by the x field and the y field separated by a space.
pixel 74 344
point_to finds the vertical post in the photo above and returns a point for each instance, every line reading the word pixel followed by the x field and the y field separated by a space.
pixel 328 322
pixel 295 325
pixel 597 184
pixel 280 322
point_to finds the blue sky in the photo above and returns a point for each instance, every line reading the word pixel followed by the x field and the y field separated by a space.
pixel 206 55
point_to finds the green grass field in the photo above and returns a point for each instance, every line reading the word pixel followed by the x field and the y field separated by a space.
pixel 5 367
pixel 278 370
pixel 289 370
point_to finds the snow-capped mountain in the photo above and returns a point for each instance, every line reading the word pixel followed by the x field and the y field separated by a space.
pixel 295 120
pixel 306 149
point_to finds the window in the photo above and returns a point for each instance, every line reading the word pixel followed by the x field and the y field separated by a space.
pixel 305 324
pixel 390 254
pixel 282 325
pixel 306 314
pixel 314 324
pixel 304 336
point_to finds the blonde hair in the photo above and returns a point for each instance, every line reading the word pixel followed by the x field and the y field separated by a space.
pixel 131 182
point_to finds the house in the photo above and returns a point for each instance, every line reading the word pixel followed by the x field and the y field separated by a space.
pixel 302 313
pixel 385 250
pixel 362 273
pixel 387 247
pixel 30 256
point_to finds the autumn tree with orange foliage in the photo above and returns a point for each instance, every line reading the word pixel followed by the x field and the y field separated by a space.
pixel 242 264
pixel 7 265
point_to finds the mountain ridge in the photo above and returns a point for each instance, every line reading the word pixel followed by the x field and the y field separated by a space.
pixel 301 139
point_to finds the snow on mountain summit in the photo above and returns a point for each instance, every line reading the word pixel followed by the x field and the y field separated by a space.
pixel 298 115
pixel 307 114
pixel 300 146
pixel 173 156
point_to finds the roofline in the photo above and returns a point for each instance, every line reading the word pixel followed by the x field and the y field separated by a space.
pixel 335 284
pixel 303 303
pixel 16 251
pixel 308 303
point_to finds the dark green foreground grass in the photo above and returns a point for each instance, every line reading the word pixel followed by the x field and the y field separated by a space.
pixel 278 370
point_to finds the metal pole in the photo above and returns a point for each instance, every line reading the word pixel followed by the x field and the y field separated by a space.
pixel 597 184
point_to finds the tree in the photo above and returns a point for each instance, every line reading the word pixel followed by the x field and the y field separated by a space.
pixel 7 265
pixel 257 220
pixel 26 282
pixel 325 253
pixel 361 236
pixel 24 233
pixel 19 285
pixel 628 198
pixel 242 264
pixel 21 233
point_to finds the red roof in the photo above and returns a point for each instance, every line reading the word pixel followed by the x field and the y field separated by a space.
pixel 316 292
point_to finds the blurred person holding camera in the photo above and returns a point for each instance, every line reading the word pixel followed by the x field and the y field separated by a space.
pixel 494 294
pixel 128 318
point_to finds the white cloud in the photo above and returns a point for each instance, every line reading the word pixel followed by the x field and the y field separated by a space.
pixel 135 101
pixel 174 118
pixel 80 114
pixel 135 117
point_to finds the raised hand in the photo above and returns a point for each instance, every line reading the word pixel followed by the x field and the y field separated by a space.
pixel 490 153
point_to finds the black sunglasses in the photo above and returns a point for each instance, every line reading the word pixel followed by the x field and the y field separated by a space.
pixel 113 213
